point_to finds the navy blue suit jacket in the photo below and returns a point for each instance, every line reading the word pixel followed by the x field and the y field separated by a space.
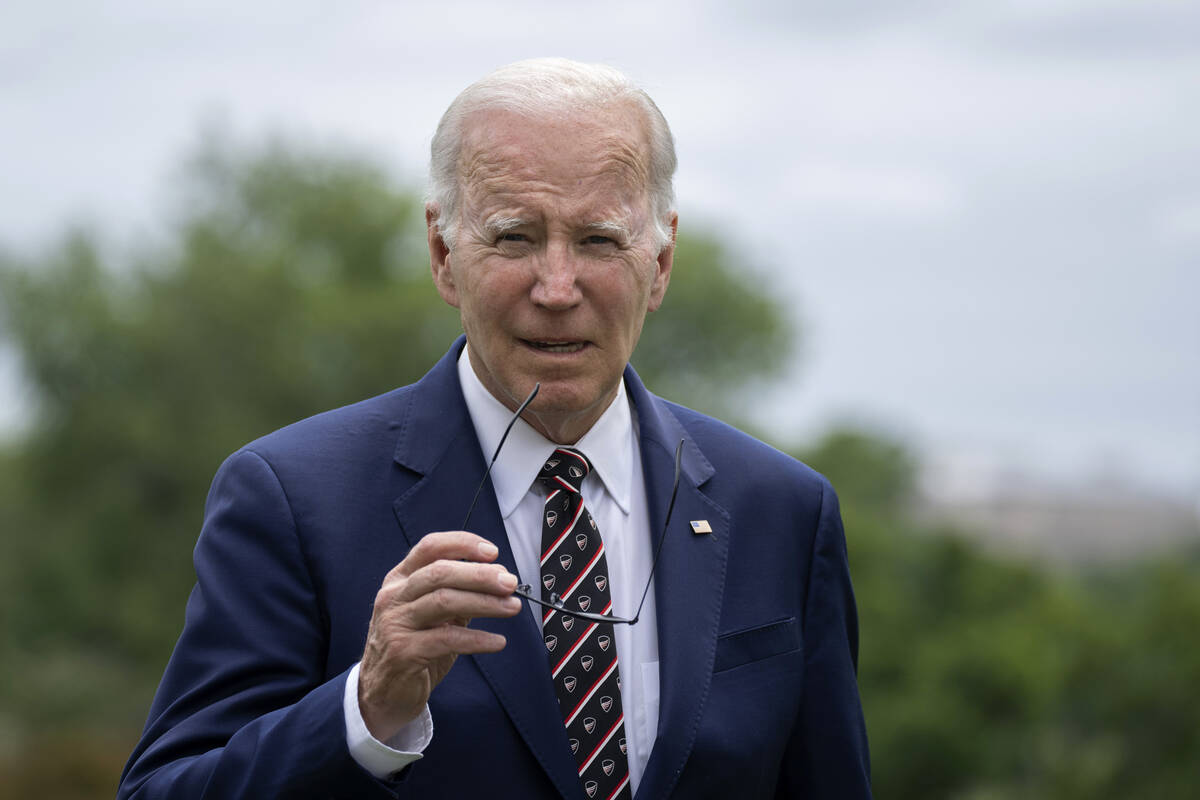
pixel 757 626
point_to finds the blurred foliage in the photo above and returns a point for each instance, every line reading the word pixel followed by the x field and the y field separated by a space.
pixel 295 282
pixel 994 678
pixel 716 334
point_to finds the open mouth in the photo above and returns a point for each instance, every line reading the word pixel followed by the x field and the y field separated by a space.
pixel 556 347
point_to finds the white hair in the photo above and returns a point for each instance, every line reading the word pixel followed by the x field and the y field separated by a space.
pixel 549 85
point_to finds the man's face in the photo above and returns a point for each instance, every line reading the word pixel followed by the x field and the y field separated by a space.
pixel 555 263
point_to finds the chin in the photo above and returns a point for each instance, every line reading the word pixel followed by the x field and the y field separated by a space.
pixel 554 399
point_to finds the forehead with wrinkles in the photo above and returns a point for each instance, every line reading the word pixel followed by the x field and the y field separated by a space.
pixel 506 154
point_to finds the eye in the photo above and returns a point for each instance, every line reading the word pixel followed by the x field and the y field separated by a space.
pixel 512 237
pixel 598 238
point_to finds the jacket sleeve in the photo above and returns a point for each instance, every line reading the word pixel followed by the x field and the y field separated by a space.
pixel 827 755
pixel 245 709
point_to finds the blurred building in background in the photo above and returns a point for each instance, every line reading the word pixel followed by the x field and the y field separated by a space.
pixel 1102 519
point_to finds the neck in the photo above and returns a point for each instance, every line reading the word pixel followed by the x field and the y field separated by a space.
pixel 559 430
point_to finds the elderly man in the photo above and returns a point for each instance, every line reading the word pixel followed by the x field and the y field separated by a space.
pixel 348 638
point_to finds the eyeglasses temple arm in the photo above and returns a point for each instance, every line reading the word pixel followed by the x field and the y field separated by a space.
pixel 500 446
pixel 663 537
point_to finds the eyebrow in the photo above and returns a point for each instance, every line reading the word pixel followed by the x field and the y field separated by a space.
pixel 498 226
pixel 608 226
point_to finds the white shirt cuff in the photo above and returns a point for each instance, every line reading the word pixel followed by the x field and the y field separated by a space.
pixel 383 760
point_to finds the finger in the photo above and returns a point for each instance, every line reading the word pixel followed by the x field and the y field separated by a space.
pixel 455 545
pixel 465 575
pixel 451 640
pixel 444 605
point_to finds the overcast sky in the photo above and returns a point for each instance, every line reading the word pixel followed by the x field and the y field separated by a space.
pixel 986 215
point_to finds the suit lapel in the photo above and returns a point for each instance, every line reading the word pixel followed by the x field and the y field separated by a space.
pixel 689 586
pixel 438 442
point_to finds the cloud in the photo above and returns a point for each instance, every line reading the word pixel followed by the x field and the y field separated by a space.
pixel 897 192
pixel 1179 222
pixel 1107 29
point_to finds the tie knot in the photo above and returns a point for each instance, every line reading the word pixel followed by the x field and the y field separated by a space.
pixel 565 469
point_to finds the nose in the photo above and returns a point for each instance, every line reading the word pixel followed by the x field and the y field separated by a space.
pixel 556 278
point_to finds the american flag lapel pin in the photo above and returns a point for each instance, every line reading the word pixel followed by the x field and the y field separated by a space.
pixel 701 526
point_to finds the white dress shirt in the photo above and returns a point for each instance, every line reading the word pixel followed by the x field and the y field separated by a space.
pixel 615 494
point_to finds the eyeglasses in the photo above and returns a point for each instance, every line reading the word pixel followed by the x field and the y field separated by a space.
pixel 556 603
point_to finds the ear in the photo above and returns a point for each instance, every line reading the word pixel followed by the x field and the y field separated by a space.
pixel 439 257
pixel 665 261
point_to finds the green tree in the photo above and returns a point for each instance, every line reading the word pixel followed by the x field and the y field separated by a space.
pixel 989 677
pixel 719 332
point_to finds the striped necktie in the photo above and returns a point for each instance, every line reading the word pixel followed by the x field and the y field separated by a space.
pixel 583 654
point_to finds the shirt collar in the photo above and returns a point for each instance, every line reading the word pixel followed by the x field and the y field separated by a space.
pixel 608 445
